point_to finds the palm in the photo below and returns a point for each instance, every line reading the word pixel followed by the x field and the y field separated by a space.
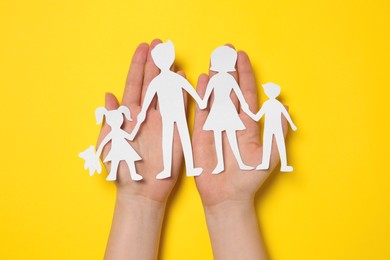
pixel 148 141
pixel 232 183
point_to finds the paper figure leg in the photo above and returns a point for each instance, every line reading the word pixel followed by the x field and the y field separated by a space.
pixel 218 148
pixel 282 152
pixel 187 149
pixel 232 137
pixel 167 142
pixel 133 172
pixel 267 145
pixel 114 168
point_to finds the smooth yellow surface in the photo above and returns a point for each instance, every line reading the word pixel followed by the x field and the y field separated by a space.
pixel 58 58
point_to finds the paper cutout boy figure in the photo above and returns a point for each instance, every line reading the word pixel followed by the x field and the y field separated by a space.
pixel 120 147
pixel 273 111
pixel 223 114
pixel 169 86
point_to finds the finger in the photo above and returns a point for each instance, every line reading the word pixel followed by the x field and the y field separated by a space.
pixel 201 115
pixel 211 72
pixel 134 80
pixel 111 103
pixel 173 67
pixel 233 96
pixel 285 124
pixel 247 81
pixel 200 138
pixel 248 87
pixel 151 71
pixel 211 98
pixel 210 101
pixel 185 94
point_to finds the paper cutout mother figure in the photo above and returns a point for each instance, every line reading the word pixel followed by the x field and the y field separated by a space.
pixel 273 111
pixel 169 86
pixel 223 114
pixel 120 148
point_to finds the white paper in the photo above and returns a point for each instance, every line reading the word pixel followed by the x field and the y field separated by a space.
pixel 223 114
pixel 169 86
pixel 121 149
pixel 273 110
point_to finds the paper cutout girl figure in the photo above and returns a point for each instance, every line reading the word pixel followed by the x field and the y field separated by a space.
pixel 120 147
pixel 223 114
pixel 169 86
pixel 273 111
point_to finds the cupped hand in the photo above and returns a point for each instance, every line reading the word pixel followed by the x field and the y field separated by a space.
pixel 232 184
pixel 148 140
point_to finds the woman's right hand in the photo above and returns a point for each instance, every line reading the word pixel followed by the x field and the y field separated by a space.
pixel 232 184
pixel 228 198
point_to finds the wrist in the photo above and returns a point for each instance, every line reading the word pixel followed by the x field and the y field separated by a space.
pixel 136 227
pixel 126 201
pixel 229 209
pixel 234 231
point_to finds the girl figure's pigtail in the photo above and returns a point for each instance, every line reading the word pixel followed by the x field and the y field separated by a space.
pixel 99 113
pixel 126 112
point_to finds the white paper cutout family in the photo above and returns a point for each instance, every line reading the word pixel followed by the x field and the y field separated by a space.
pixel 223 116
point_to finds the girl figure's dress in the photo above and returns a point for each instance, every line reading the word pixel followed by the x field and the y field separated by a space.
pixel 120 148
pixel 223 114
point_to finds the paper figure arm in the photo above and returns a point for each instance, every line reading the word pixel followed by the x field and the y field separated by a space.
pixel 207 94
pixel 287 116
pixel 152 89
pixel 190 90
pixel 243 103
pixel 260 113
pixel 102 144
pixel 127 136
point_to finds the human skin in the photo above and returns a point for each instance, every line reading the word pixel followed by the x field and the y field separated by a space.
pixel 228 198
pixel 140 206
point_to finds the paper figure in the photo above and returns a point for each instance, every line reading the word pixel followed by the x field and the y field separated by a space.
pixel 273 111
pixel 91 160
pixel 120 147
pixel 169 86
pixel 223 114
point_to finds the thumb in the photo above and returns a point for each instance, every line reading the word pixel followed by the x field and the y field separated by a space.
pixel 111 101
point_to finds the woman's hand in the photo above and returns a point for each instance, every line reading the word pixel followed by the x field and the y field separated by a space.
pixel 232 183
pixel 148 140
pixel 140 205
pixel 228 197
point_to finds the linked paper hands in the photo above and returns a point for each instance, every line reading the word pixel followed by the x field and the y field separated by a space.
pixel 223 116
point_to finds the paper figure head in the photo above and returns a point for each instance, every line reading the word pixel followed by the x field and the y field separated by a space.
pixel 272 90
pixel 114 118
pixel 223 59
pixel 164 55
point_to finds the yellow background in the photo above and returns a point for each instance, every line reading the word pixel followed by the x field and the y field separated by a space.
pixel 58 58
